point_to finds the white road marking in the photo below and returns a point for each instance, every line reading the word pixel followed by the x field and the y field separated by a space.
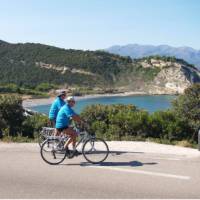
pixel 143 172
pixel 159 158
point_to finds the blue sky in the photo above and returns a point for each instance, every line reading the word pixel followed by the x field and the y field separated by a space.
pixel 98 24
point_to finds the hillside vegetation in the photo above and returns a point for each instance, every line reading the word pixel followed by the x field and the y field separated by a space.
pixel 30 65
pixel 19 65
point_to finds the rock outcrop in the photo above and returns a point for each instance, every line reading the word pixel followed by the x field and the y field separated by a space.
pixel 62 69
pixel 173 77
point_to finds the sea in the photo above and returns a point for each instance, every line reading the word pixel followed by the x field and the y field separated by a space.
pixel 149 103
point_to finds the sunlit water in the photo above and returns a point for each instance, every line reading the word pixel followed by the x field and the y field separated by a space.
pixel 149 103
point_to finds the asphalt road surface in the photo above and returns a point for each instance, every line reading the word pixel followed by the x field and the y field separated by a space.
pixel 125 174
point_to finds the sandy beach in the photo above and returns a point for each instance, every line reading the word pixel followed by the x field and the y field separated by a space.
pixel 45 101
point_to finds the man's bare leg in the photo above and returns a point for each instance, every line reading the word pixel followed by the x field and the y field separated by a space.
pixel 56 132
pixel 72 135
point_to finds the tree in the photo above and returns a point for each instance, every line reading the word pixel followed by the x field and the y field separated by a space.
pixel 11 112
pixel 2 125
pixel 187 108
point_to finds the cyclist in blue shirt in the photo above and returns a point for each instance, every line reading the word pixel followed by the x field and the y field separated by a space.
pixel 56 106
pixel 63 121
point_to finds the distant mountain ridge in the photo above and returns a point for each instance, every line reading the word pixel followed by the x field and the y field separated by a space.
pixel 138 51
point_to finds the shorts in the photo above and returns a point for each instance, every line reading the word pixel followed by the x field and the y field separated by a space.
pixel 62 129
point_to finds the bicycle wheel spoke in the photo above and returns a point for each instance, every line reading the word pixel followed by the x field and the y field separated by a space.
pixel 44 134
pixel 41 139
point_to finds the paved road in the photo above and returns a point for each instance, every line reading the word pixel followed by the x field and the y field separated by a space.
pixel 125 174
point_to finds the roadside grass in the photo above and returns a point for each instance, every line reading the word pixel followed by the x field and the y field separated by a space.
pixel 182 143
pixel 185 143
pixel 18 139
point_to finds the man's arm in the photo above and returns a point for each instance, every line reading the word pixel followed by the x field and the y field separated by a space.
pixel 76 118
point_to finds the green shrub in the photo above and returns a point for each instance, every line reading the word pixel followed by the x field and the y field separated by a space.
pixel 13 122
pixel 11 88
pixel 33 124
pixel 187 108
pixel 120 122
pixel 11 112
pixel 45 87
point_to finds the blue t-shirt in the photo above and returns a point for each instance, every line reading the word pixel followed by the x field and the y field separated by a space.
pixel 63 117
pixel 55 107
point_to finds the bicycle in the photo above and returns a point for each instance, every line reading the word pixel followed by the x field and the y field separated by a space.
pixel 95 150
pixel 44 134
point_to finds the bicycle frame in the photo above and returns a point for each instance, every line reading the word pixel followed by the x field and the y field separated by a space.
pixel 84 135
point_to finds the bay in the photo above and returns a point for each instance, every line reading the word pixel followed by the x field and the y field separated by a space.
pixel 150 103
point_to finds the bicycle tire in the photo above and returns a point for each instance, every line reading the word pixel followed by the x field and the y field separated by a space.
pixel 44 133
pixel 90 153
pixel 51 153
pixel 41 138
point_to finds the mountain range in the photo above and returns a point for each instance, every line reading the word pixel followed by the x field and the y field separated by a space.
pixel 138 51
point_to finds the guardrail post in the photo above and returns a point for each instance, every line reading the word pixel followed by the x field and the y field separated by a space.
pixel 199 140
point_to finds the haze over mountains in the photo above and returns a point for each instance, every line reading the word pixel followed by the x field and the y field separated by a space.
pixel 138 51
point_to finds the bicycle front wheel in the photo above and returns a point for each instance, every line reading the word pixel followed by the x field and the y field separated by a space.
pixel 95 150
pixel 52 152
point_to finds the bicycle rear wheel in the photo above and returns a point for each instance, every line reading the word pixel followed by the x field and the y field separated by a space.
pixel 41 138
pixel 52 152
pixel 95 150
pixel 44 134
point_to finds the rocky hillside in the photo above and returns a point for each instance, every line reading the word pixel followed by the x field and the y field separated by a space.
pixel 173 77
pixel 28 65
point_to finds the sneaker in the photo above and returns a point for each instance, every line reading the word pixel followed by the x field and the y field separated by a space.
pixel 67 151
pixel 75 152
pixel 70 154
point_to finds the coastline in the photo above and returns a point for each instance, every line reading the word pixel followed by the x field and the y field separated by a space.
pixel 27 103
